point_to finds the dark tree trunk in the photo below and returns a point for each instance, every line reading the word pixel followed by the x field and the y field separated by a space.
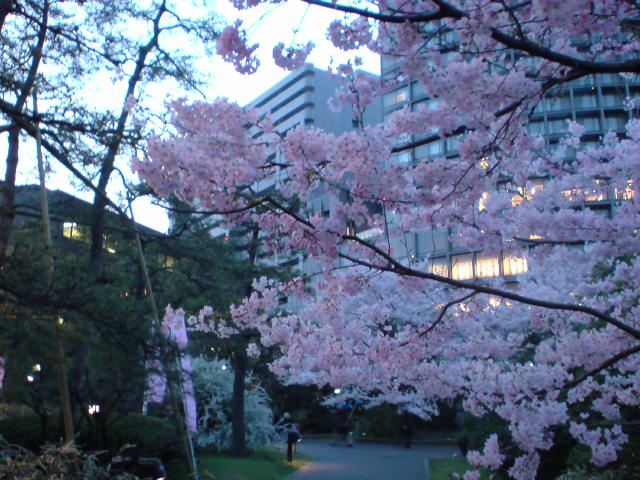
pixel 8 192
pixel 8 188
pixel 239 442
pixel 239 362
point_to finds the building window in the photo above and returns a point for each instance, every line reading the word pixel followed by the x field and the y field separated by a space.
pixel 439 266
pixel 487 265
pixel 585 101
pixel 402 157
pixel 429 104
pixel 452 143
pixel 555 104
pixel 168 261
pixel 482 203
pixel 590 123
pixel 513 264
pixel 527 193
pixel 109 243
pixel 76 232
pixel 394 98
pixel 462 266
pixel 536 128
pixel 418 90
pixel 628 193
pixel 615 122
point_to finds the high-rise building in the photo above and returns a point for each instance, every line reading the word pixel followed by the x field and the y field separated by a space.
pixel 302 99
pixel 595 101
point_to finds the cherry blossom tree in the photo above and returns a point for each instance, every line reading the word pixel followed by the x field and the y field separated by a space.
pixel 566 339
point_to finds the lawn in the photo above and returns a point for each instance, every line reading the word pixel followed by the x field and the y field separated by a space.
pixel 444 468
pixel 261 465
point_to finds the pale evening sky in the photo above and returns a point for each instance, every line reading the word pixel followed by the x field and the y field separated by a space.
pixel 266 25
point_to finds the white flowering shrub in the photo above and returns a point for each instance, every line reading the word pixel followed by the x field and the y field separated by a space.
pixel 213 380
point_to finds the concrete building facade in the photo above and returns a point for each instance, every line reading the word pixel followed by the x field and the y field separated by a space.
pixel 302 99
pixel 595 101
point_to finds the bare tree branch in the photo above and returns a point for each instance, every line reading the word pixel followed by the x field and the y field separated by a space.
pixel 392 265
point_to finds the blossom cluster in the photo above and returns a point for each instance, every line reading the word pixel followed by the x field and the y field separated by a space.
pixel 393 328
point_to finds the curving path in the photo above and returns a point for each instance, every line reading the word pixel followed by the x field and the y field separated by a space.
pixel 367 461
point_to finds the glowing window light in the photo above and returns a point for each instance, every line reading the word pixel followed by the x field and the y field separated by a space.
pixel 514 265
pixel 462 267
pixel 487 265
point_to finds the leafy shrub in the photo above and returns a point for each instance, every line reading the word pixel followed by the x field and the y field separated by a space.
pixel 27 430
pixel 583 473
pixel 152 436
pixel 378 422
pixel 214 390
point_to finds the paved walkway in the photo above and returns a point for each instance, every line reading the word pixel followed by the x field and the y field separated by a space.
pixel 367 461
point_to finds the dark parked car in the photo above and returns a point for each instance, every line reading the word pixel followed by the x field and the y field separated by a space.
pixel 145 468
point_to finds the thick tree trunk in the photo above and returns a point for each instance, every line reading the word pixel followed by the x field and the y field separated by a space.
pixel 8 188
pixel 8 192
pixel 239 362
pixel 239 442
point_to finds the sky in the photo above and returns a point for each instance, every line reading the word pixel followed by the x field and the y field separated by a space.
pixel 266 25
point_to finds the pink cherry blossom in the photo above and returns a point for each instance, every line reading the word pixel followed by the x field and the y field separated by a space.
pixel 560 211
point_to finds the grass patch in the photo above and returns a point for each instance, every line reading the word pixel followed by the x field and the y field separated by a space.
pixel 260 465
pixel 444 468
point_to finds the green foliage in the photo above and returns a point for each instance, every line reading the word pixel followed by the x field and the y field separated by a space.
pixel 382 422
pixel 28 432
pixel 378 422
pixel 260 465
pixel 152 436
pixel 446 468
pixel 627 467
pixel 628 472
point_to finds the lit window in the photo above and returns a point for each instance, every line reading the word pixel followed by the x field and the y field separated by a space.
pixel 393 98
pixel 527 193
pixel 516 200
pixel 487 265
pixel 67 229
pixel 482 204
pixel 513 264
pixel 461 267
pixel 75 232
pixel 168 261
pixel 109 244
pixel 439 266
pixel 628 193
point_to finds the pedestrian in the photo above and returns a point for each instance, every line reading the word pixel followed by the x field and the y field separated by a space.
pixel 346 422
pixel 291 429
pixel 406 427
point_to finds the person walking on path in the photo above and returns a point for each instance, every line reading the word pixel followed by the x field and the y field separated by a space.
pixel 406 427
pixel 291 430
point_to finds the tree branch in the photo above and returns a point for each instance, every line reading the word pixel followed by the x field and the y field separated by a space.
pixel 443 311
pixel 394 266
pixel 602 366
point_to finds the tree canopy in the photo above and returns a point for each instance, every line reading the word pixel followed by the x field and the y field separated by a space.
pixel 559 350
